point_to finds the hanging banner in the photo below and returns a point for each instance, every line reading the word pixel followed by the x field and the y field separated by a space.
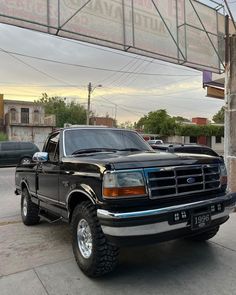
pixel 184 32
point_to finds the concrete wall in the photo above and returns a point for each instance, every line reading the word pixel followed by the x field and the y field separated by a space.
pixel 218 147
pixel 35 134
pixel 175 139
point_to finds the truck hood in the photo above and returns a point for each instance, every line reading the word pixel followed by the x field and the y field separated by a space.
pixel 131 160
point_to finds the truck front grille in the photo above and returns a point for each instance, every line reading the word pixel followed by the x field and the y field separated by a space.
pixel 182 180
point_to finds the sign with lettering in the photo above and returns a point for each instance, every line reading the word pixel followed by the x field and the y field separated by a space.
pixel 179 31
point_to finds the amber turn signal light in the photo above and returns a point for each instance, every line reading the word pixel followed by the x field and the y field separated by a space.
pixel 124 192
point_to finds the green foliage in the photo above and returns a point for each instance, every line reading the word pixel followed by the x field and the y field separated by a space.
pixel 180 119
pixel 126 125
pixel 199 130
pixel 157 122
pixel 219 117
pixel 3 136
pixel 72 113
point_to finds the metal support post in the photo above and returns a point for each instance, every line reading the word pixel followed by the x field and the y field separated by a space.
pixel 230 115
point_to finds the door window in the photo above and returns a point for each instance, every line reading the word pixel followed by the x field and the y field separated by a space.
pixel 52 148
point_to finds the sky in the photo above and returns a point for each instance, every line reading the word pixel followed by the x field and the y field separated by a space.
pixel 124 96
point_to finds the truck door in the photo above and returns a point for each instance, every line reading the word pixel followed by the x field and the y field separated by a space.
pixel 48 175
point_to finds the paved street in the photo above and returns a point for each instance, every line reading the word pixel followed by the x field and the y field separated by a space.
pixel 38 260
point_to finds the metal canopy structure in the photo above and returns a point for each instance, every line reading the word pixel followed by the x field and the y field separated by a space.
pixel 185 32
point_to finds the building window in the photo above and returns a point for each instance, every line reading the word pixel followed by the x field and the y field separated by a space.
pixel 13 115
pixel 218 139
pixel 24 115
pixel 36 117
pixel 193 139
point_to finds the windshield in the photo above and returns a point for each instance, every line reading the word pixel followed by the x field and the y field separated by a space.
pixel 102 140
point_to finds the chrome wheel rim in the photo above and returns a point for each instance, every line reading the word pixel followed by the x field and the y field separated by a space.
pixel 25 206
pixel 25 161
pixel 84 238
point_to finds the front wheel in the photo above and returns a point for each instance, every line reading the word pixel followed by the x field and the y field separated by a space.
pixel 207 235
pixel 25 161
pixel 93 253
pixel 29 210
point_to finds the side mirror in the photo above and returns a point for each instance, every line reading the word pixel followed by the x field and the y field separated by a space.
pixel 40 157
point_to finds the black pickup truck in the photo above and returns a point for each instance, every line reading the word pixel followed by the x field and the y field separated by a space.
pixel 115 190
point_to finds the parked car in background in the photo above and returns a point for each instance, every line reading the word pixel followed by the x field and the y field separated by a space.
pixel 185 148
pixel 155 141
pixel 13 152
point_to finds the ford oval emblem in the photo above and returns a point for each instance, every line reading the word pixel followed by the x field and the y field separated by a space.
pixel 191 180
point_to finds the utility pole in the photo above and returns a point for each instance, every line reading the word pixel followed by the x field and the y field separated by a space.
pixel 90 90
pixel 115 111
pixel 230 114
pixel 89 97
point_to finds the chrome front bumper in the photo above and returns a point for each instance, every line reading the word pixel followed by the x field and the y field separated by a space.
pixel 108 218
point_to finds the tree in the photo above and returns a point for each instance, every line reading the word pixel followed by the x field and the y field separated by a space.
pixel 126 125
pixel 3 136
pixel 180 119
pixel 158 122
pixel 219 117
pixel 72 113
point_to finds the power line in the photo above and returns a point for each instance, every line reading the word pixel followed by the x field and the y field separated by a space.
pixel 127 54
pixel 113 51
pixel 160 95
pixel 125 76
pixel 12 53
pixel 115 74
pixel 30 66
pixel 133 79
pixel 130 76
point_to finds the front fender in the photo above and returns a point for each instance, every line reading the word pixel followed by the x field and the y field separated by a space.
pixel 80 192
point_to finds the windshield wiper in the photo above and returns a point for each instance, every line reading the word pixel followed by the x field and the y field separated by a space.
pixel 130 150
pixel 93 150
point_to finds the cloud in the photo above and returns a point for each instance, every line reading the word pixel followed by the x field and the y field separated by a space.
pixel 177 89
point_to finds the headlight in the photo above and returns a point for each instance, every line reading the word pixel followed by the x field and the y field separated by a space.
pixel 223 174
pixel 123 184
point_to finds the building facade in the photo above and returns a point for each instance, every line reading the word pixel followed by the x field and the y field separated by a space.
pixel 25 121
pixel 103 121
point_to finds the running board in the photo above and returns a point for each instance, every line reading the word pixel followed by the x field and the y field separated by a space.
pixel 49 217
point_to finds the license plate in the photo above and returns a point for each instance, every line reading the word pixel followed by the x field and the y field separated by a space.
pixel 200 220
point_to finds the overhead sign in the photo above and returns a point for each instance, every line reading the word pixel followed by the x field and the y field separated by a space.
pixel 179 31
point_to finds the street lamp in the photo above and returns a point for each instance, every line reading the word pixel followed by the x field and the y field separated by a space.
pixel 90 90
